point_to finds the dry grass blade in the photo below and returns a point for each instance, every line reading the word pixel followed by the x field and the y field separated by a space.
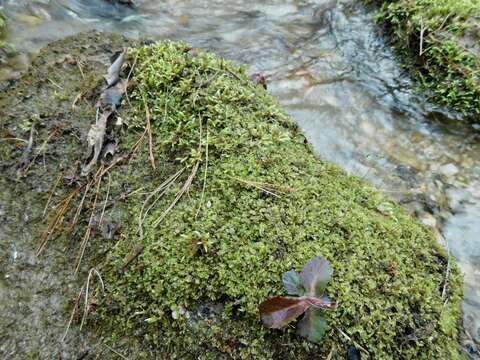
pixel 87 286
pixel 162 188
pixel 179 195
pixel 266 187
pixel 56 220
pixel 79 207
pixel 86 237
pixel 100 222
pixel 357 345
pixel 42 148
pixel 51 193
pixel 149 130
pixel 76 306
pixel 72 315
pixel 116 352
pixel 204 178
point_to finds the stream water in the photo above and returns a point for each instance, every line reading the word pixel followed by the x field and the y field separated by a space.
pixel 331 70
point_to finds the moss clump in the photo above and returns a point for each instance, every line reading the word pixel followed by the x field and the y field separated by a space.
pixel 440 39
pixel 260 203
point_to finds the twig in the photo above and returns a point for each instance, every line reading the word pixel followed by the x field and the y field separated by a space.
pixel 137 250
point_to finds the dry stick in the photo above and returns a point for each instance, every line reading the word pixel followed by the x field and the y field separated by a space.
pixel 163 187
pixel 57 219
pixel 88 231
pixel 204 178
pixel 51 194
pixel 149 130
pixel 353 341
pixel 85 310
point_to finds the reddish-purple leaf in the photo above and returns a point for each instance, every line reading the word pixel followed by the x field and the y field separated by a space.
pixel 278 311
pixel 315 275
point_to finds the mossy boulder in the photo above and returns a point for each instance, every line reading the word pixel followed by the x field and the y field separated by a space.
pixel 440 40
pixel 212 193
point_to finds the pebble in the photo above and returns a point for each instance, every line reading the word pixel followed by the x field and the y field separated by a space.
pixel 429 220
pixel 448 170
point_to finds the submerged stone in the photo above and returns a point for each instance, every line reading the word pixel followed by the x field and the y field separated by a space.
pixel 213 193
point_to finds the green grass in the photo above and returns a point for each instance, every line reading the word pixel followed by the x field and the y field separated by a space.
pixel 428 33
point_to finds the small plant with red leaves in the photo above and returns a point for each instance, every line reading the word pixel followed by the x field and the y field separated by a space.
pixel 309 287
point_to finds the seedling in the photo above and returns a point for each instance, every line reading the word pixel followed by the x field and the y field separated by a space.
pixel 309 287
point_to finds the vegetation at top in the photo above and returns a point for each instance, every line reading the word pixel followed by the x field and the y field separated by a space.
pixel 440 39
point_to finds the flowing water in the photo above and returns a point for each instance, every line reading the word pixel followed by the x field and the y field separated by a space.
pixel 331 70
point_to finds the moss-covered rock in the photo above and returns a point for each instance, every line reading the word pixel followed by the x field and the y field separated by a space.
pixel 440 39
pixel 188 248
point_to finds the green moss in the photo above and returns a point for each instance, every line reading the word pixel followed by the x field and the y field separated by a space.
pixel 440 40
pixel 261 204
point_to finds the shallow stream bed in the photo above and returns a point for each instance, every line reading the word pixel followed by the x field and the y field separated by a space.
pixel 334 74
